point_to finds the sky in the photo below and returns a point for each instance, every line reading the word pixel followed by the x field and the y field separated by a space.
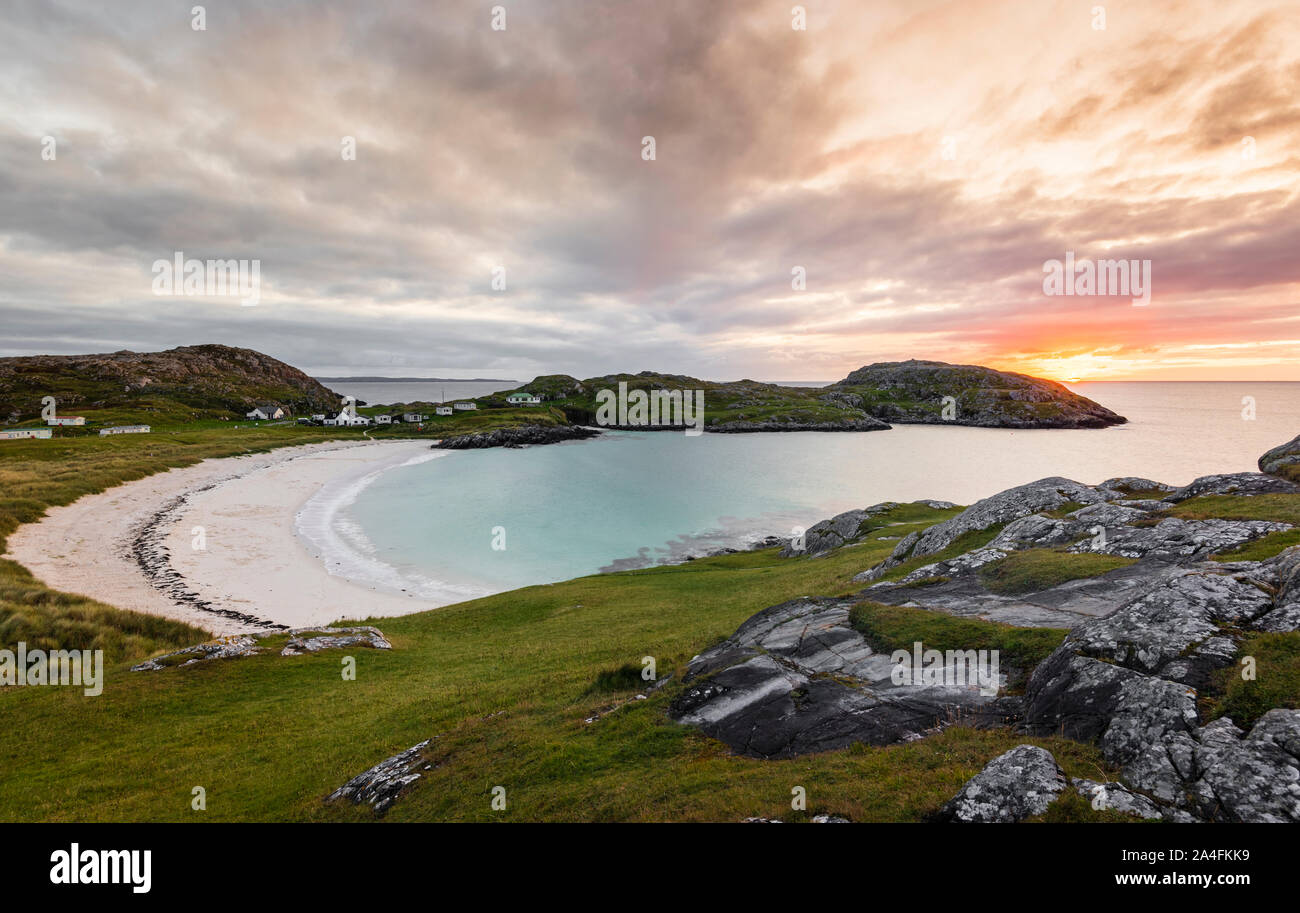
pixel 917 162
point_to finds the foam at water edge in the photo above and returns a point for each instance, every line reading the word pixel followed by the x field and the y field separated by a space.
pixel 346 552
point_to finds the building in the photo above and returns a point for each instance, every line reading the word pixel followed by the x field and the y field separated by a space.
pixel 465 407
pixel 17 434
pixel 66 420
pixel 265 412
pixel 523 399
pixel 442 410
pixel 384 419
pixel 413 417
pixel 348 420
pixel 124 429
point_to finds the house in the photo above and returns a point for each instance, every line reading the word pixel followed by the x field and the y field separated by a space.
pixel 124 429
pixel 348 420
pixel 20 433
pixel 319 417
pixel 413 417
pixel 465 407
pixel 523 399
pixel 443 410
pixel 265 412
pixel 66 420
pixel 383 419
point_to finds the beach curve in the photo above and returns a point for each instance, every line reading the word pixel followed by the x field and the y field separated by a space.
pixel 215 544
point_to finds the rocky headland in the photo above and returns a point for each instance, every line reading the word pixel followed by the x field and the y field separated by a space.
pixel 1146 608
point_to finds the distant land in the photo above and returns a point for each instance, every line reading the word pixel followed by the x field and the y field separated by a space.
pixel 217 382
pixel 367 379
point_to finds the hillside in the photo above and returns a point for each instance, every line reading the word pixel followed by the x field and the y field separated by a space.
pixel 182 384
pixel 909 392
pixel 912 392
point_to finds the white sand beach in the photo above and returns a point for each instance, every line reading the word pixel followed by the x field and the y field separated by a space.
pixel 252 563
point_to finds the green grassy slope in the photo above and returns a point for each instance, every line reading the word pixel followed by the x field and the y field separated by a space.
pixel 503 685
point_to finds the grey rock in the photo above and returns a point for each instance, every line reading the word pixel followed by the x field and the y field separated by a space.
pixel 1133 484
pixel 382 785
pixel 226 648
pixel 1283 459
pixel 1114 796
pixel 333 639
pixel 1012 504
pixel 1013 786
pixel 1255 779
pixel 839 530
pixel 1236 483
pixel 1176 538
pixel 796 678
pixel 1162 624
pixel 524 435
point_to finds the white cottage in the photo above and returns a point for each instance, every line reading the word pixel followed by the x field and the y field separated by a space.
pixel 465 407
pixel 265 412
pixel 523 399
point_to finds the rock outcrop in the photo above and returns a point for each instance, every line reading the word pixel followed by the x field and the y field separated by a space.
pixel 847 528
pixel 1011 787
pixel 1283 460
pixel 382 785
pixel 797 678
pixel 524 435
pixel 936 393
pixel 301 640
pixel 1145 640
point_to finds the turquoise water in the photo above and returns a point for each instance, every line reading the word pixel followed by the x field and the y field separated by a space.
pixel 639 498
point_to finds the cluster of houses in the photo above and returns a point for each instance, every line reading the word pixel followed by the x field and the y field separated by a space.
pixel 269 412
pixel 349 417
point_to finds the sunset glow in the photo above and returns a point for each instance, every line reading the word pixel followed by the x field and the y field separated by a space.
pixel 920 161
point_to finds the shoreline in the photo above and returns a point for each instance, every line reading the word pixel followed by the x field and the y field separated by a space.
pixel 215 544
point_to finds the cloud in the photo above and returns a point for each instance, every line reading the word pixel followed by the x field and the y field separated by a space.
pixel 521 149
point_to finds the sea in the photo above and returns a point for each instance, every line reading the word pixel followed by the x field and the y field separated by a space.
pixel 453 525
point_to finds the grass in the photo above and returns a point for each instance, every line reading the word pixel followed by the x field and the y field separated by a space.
pixel 1280 508
pixel 1036 569
pixel 49 620
pixel 888 628
pixel 502 685
pixel 1072 808
pixel 1276 682
pixel 1261 549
